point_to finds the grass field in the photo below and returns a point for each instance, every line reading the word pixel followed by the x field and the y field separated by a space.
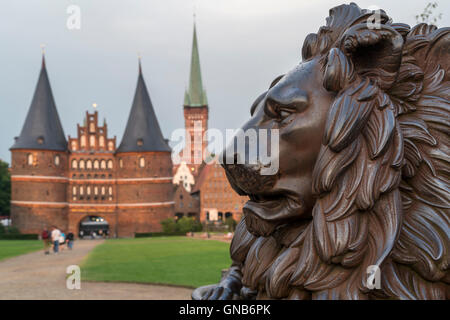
pixel 166 260
pixel 11 248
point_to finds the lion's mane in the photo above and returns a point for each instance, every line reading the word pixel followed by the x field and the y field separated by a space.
pixel 382 174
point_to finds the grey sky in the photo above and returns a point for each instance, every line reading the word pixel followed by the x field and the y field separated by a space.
pixel 243 45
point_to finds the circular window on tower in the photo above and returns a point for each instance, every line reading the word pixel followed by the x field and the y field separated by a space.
pixel 140 142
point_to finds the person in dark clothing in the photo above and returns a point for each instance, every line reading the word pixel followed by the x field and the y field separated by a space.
pixel 45 235
pixel 70 238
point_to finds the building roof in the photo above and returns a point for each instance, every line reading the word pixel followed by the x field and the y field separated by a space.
pixel 142 132
pixel 202 176
pixel 195 96
pixel 42 128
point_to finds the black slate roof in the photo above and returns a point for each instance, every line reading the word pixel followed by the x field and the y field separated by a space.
pixel 42 128
pixel 142 132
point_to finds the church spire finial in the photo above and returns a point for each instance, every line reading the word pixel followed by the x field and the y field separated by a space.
pixel 139 62
pixel 43 54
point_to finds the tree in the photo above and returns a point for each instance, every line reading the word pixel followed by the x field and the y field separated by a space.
pixel 5 188
pixel 427 15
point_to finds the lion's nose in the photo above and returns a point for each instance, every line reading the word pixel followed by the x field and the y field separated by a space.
pixel 286 96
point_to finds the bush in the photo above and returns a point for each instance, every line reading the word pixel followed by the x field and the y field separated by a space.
pixel 181 226
pixel 8 230
pixel 187 224
pixel 231 223
pixel 169 225
pixel 157 234
pixel 18 236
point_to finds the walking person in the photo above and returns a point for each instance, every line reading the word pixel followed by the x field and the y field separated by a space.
pixel 55 239
pixel 62 241
pixel 70 238
pixel 45 235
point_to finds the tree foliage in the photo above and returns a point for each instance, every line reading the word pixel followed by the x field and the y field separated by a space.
pixel 5 189
pixel 182 225
pixel 427 15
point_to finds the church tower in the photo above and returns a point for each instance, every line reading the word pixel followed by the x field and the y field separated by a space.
pixel 144 173
pixel 195 120
pixel 39 164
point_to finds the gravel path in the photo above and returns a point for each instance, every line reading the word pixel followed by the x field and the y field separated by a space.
pixel 38 276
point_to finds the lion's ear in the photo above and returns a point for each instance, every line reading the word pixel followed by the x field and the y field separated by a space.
pixel 374 53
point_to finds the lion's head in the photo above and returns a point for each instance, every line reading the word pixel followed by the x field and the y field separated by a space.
pixel 363 175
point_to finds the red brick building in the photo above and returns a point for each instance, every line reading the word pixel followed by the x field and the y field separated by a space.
pixel 55 182
pixel 218 200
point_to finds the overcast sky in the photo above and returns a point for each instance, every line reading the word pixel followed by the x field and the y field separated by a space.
pixel 243 45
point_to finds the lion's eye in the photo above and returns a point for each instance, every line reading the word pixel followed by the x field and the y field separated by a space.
pixel 284 114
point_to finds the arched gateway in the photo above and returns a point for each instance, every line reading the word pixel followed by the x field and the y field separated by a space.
pixel 93 227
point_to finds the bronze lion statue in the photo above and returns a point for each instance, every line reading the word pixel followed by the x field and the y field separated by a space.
pixel 363 175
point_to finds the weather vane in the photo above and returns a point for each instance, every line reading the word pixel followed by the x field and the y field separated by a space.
pixel 43 48
pixel 94 105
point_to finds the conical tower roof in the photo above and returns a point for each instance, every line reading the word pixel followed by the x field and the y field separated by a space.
pixel 142 133
pixel 195 96
pixel 42 128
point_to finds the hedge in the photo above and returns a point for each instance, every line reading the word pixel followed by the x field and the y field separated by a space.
pixel 158 234
pixel 18 236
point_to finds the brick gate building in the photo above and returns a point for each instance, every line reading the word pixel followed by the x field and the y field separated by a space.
pixel 55 182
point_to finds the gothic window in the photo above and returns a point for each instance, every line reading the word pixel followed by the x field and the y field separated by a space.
pixel 91 127
pixel 30 159
pixel 110 164
pixel 141 162
pixel 89 164
pixel 110 190
pixel 81 164
pixel 103 191
pixel 96 190
pixel 83 141
pixel 121 163
pixel 110 146
pixel 88 190
pixel 101 141
pixel 74 190
pixel 92 141
pixel 74 164
pixel 103 164
pixel 81 191
pixel 96 164
pixel 56 160
pixel 74 145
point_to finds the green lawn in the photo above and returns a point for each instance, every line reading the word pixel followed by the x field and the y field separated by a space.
pixel 11 248
pixel 166 260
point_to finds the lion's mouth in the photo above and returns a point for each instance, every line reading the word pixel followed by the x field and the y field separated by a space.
pixel 264 213
pixel 274 206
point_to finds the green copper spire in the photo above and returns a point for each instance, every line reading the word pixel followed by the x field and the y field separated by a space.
pixel 195 96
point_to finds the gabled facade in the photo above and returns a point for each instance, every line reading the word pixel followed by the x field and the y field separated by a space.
pixel 218 201
pixel 63 184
